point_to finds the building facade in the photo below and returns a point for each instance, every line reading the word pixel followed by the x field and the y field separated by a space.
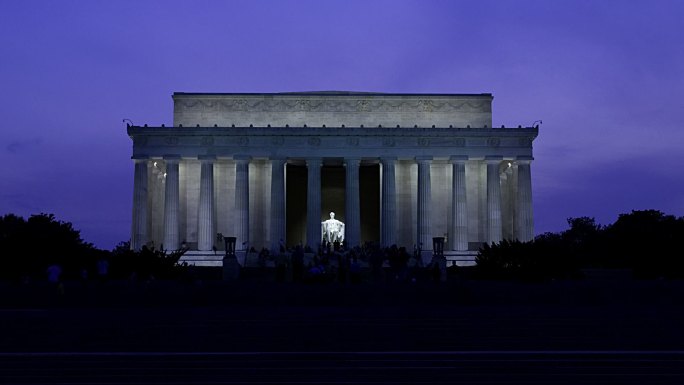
pixel 268 168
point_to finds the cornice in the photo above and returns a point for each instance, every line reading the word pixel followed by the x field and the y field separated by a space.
pixel 331 131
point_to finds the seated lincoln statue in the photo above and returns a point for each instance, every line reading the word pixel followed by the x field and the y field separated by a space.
pixel 332 230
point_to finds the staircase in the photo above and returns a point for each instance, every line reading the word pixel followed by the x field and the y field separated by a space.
pixel 213 259
pixel 203 258
pixel 460 258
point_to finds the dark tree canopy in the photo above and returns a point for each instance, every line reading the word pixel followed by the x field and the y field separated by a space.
pixel 29 246
pixel 647 241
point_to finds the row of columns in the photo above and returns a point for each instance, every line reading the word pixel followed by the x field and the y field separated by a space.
pixel 459 217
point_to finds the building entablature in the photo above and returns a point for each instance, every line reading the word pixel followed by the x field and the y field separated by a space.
pixel 331 142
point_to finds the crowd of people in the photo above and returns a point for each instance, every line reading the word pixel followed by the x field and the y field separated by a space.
pixel 332 262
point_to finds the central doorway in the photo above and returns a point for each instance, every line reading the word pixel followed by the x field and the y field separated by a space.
pixel 332 199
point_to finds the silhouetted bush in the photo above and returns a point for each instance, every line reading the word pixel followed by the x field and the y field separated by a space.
pixel 146 263
pixel 30 246
pixel 542 259
pixel 647 241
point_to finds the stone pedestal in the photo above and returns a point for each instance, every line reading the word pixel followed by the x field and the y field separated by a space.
pixel 231 267
pixel 438 258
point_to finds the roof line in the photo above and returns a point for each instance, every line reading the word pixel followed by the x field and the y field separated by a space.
pixel 322 93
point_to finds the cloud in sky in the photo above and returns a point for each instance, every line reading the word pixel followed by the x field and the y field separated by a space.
pixel 22 145
pixel 607 78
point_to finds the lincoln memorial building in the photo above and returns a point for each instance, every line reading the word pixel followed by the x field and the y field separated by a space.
pixel 270 168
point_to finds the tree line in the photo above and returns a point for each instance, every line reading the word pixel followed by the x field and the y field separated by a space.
pixel 29 246
pixel 647 242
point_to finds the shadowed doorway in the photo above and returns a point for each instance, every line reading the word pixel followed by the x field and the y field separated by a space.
pixel 332 199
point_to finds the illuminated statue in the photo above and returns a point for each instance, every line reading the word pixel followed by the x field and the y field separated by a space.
pixel 332 230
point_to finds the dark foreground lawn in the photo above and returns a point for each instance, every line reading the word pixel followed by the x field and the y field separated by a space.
pixel 259 331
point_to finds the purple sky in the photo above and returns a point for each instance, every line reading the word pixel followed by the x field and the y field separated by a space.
pixel 606 77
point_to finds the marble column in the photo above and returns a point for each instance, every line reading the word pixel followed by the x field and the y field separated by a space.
pixel 352 206
pixel 139 223
pixel 389 203
pixel 494 229
pixel 313 203
pixel 524 220
pixel 277 233
pixel 171 201
pixel 242 202
pixel 458 235
pixel 424 228
pixel 505 206
pixel 205 223
pixel 510 185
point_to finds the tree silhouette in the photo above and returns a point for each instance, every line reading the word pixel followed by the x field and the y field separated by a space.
pixel 648 242
pixel 29 246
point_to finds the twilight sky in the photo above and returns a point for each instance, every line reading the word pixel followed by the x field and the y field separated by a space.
pixel 606 77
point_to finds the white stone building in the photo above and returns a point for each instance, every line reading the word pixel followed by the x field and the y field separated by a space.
pixel 268 168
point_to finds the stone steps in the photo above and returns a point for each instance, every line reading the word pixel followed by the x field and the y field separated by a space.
pixel 203 258
pixel 460 258
pixel 211 259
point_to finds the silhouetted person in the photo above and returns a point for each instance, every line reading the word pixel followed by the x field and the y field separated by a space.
pixel 343 267
pixel 297 264
pixel 102 269
pixel 412 266
pixel 376 261
pixel 54 273
pixel 281 267
pixel 262 258
pixel 54 276
pixel 355 270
